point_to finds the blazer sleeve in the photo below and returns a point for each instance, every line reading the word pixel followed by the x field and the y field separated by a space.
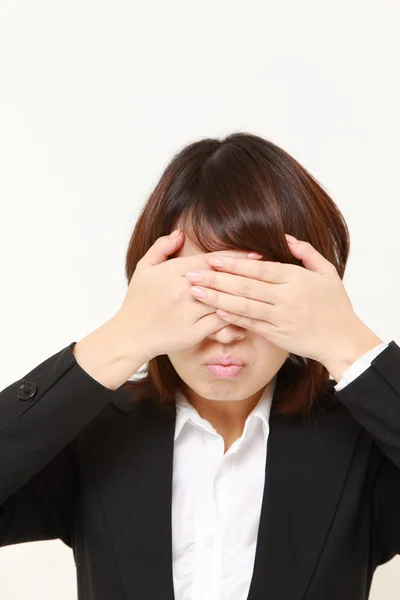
pixel 359 366
pixel 40 415
pixel 373 398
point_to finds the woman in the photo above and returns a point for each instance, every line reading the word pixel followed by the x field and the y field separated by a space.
pixel 275 477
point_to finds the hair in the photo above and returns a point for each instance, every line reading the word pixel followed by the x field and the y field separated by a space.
pixel 244 192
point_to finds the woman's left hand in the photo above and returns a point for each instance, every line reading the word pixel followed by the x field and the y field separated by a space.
pixel 305 311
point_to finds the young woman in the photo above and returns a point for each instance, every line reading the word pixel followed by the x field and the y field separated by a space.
pixel 258 456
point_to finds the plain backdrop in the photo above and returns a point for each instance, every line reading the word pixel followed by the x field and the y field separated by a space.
pixel 96 96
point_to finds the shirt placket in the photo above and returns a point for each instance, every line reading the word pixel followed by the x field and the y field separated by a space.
pixel 208 534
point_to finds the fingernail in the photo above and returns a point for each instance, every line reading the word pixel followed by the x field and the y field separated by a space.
pixel 216 262
pixel 254 255
pixel 175 234
pixel 291 239
pixel 198 291
pixel 194 275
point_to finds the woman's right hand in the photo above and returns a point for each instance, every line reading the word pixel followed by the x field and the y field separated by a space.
pixel 159 315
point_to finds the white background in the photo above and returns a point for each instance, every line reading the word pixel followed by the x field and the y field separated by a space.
pixel 96 96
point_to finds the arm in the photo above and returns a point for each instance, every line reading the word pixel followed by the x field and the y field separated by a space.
pixel 40 415
pixel 43 508
pixel 373 398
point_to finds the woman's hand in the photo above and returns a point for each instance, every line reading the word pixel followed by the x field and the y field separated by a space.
pixel 305 311
pixel 158 316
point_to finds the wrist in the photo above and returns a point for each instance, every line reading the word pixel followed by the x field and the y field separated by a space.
pixel 355 344
pixel 107 356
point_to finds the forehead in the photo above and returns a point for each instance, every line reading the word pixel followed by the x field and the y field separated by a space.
pixel 188 249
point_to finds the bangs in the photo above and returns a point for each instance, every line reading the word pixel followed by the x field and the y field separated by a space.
pixel 221 213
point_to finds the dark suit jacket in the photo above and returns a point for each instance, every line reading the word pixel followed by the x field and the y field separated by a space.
pixel 82 463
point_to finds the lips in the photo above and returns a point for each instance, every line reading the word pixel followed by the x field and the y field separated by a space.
pixel 225 360
pixel 225 372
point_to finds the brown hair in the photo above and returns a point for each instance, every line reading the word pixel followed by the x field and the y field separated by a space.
pixel 243 192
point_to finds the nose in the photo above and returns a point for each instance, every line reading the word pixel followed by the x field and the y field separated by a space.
pixel 228 333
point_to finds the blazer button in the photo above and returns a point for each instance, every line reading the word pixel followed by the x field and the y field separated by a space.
pixel 27 390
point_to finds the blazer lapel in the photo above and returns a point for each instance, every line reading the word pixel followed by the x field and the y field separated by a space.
pixel 132 455
pixel 306 468
pixel 307 465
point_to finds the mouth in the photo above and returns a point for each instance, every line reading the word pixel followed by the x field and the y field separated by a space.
pixel 225 371
pixel 225 360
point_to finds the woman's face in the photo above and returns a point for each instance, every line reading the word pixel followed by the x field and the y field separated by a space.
pixel 262 360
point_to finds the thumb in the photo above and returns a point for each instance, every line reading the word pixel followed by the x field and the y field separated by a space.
pixel 163 247
pixel 310 257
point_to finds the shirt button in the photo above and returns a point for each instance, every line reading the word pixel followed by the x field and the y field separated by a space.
pixel 209 541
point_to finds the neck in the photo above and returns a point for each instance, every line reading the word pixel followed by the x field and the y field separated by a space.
pixel 226 416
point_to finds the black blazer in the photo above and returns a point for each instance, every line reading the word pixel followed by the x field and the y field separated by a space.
pixel 82 463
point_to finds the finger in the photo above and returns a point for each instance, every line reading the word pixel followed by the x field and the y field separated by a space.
pixel 238 305
pixel 234 284
pixel 202 259
pixel 268 271
pixel 237 254
pixel 261 327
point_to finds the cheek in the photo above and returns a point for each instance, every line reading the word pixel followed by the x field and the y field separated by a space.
pixel 182 359
pixel 188 364
pixel 269 353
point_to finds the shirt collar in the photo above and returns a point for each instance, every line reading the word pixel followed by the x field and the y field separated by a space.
pixel 185 412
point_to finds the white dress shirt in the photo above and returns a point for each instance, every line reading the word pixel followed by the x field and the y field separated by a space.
pixel 216 497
